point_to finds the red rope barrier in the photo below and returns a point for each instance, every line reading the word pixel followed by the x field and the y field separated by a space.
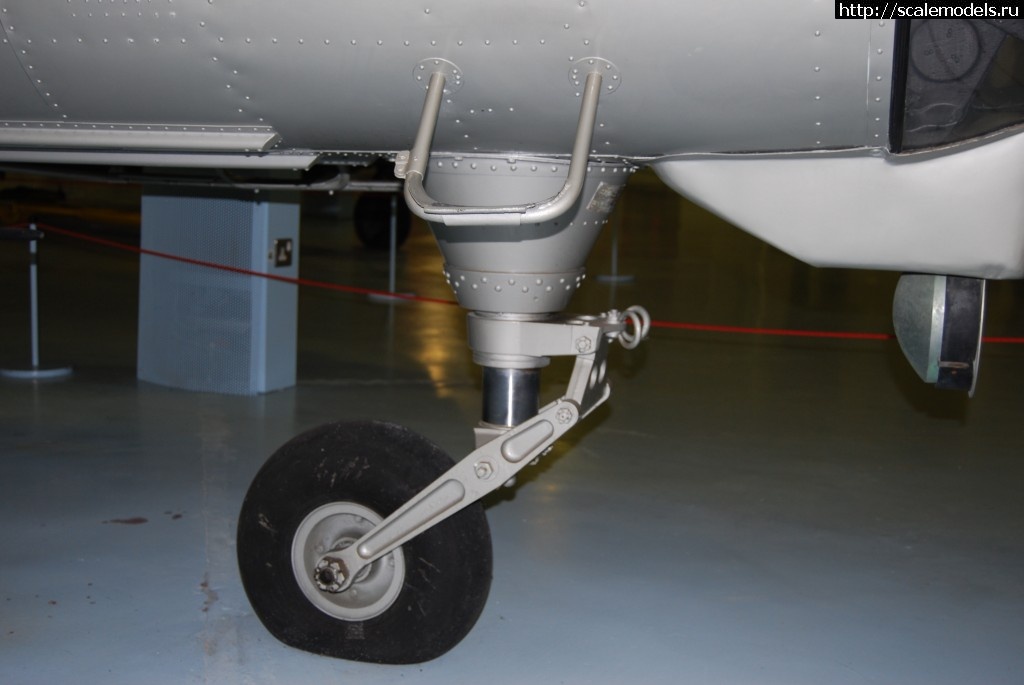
pixel 324 285
pixel 708 328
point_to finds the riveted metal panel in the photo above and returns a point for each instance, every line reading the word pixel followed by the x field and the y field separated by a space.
pixel 722 76
pixel 736 76
pixel 122 62
pixel 19 98
pixel 529 268
pixel 881 62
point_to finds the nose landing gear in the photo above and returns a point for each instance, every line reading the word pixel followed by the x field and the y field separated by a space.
pixel 363 540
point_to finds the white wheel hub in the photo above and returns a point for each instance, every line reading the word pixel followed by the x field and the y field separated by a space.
pixel 333 527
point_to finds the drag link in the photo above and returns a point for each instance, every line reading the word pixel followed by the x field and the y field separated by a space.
pixel 481 472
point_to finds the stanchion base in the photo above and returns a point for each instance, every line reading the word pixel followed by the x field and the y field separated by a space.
pixel 390 297
pixel 36 374
pixel 615 278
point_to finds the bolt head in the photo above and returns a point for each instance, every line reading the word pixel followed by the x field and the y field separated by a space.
pixel 564 415
pixel 484 470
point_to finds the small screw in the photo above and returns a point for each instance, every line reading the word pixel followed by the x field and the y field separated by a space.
pixel 583 345
pixel 484 470
pixel 564 415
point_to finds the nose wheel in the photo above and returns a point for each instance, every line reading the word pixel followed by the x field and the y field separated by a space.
pixel 322 491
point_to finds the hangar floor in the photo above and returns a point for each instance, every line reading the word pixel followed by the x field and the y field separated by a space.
pixel 746 509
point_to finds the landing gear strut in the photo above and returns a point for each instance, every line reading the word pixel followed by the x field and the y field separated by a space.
pixel 364 541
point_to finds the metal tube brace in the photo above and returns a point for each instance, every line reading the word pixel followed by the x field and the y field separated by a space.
pixel 412 166
pixel 498 461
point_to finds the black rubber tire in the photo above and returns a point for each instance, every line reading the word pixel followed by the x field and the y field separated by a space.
pixel 372 219
pixel 380 466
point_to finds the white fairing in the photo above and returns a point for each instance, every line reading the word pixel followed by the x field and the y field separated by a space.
pixel 958 211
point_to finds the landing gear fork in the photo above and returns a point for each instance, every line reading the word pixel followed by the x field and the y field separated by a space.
pixel 505 451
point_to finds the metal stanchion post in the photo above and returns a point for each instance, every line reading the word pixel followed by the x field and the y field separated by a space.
pixel 392 243
pixel 392 256
pixel 36 372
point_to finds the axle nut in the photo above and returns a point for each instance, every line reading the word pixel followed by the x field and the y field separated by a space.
pixel 329 575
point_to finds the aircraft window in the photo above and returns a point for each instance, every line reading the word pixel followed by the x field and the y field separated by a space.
pixel 963 78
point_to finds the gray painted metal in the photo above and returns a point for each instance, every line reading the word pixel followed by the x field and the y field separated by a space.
pixel 528 269
pixel 918 317
pixel 336 76
pixel 327 528
pixel 935 319
pixel 189 160
pixel 213 139
pixel 412 166
pixel 342 82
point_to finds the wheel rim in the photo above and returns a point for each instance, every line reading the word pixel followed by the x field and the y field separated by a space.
pixel 333 527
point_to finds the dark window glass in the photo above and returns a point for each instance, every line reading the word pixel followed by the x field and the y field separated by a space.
pixel 964 78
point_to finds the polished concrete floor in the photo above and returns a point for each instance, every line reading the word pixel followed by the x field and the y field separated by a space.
pixel 745 510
